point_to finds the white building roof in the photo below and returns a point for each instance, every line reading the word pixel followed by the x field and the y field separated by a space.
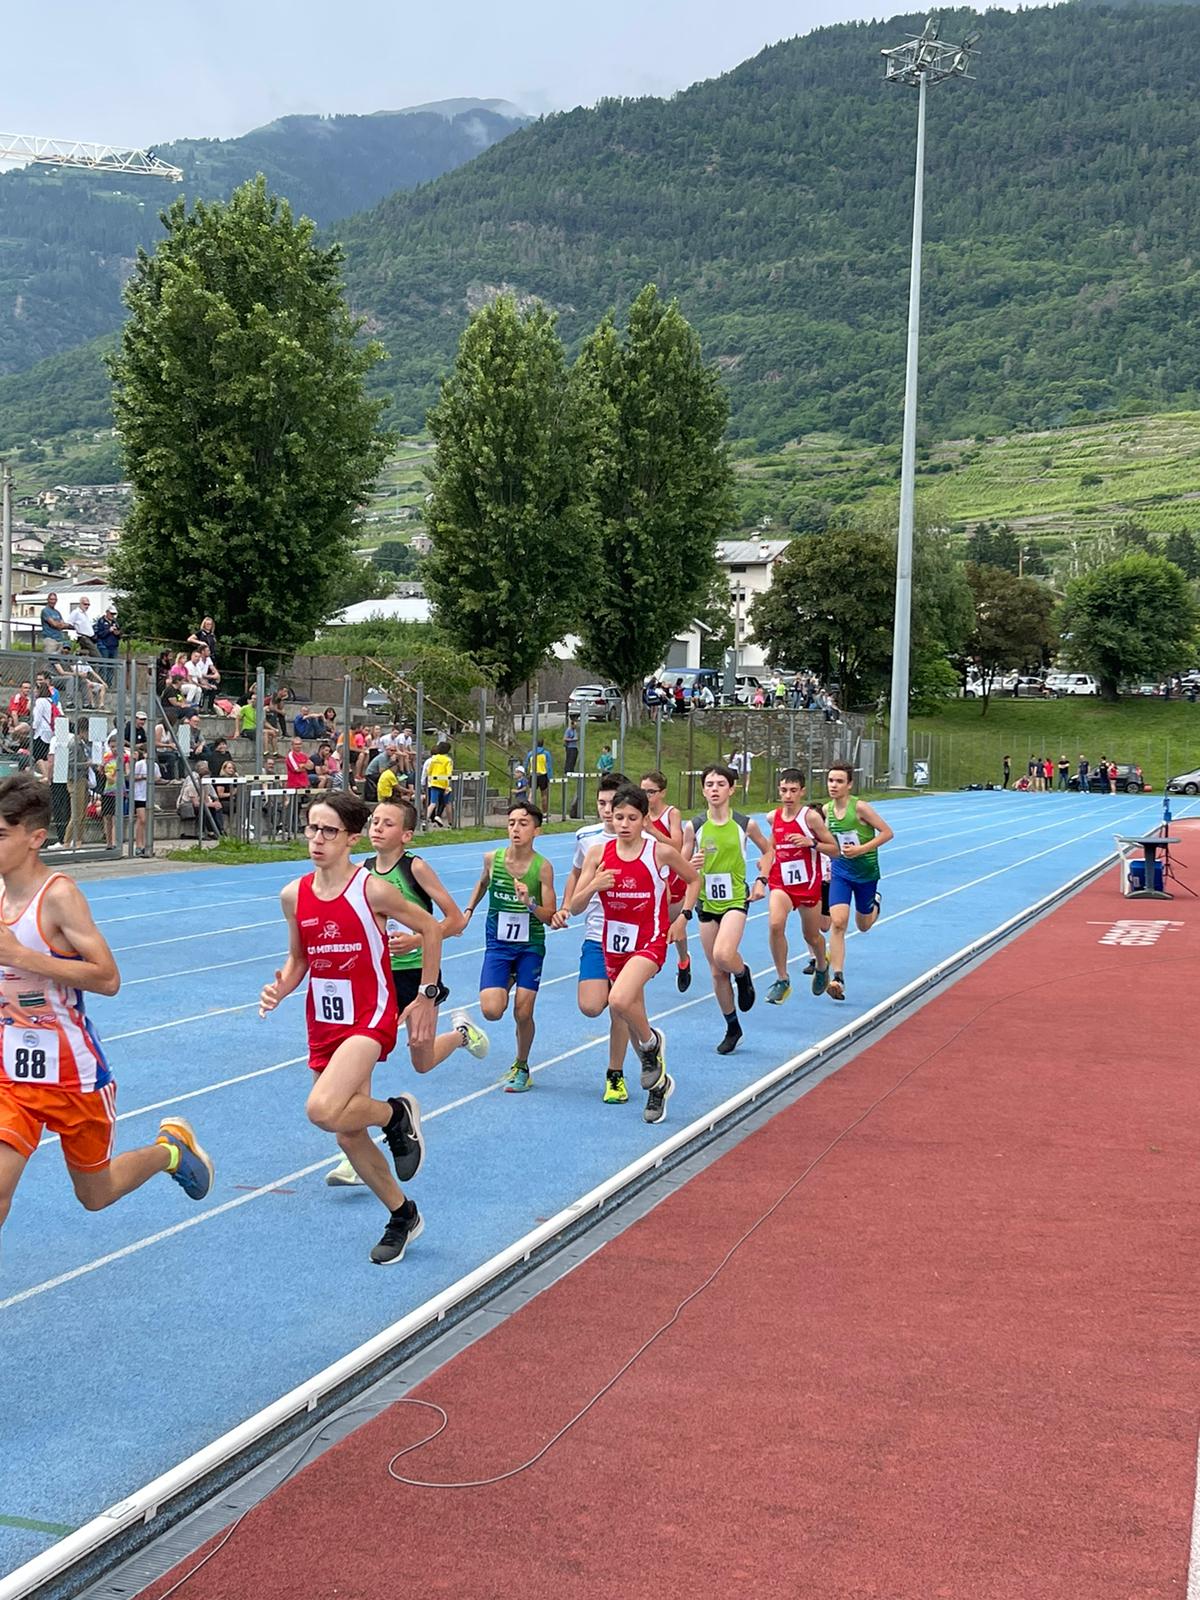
pixel 392 608
pixel 750 552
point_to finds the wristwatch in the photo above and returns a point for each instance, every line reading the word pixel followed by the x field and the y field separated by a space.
pixel 431 991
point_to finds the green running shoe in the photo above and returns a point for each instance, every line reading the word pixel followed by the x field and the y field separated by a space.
pixel 778 992
pixel 517 1079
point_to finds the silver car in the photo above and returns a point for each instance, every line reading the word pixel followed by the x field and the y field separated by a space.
pixel 601 704
pixel 1185 783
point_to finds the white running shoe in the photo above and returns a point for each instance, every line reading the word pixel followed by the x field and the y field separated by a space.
pixel 478 1043
pixel 343 1176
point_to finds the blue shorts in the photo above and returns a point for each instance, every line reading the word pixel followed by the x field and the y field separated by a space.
pixel 591 962
pixel 511 964
pixel 843 890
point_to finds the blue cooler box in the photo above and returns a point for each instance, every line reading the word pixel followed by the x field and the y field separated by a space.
pixel 1137 875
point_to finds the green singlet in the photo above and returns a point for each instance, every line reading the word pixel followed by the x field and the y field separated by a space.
pixel 502 898
pixel 401 876
pixel 723 874
pixel 863 869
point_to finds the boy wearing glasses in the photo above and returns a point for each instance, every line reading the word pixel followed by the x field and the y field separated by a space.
pixel 337 918
pixel 519 885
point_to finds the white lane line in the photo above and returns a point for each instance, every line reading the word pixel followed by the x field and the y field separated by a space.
pixel 185 911
pixel 182 1022
pixel 174 975
pixel 1193 1572
pixel 328 1161
pixel 203 933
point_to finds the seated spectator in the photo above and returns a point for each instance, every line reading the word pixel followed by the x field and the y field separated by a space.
pixel 376 765
pixel 196 676
pixel 225 786
pixel 165 754
pixel 297 765
pixel 247 717
pixel 173 704
pixel 219 753
pixel 405 746
pixel 137 735
pixel 319 774
pixel 162 670
pixel 391 783
pixel 305 725
pixel 329 726
pixel 19 703
pixel 205 635
pixel 198 799
pixel 89 684
pixel 211 681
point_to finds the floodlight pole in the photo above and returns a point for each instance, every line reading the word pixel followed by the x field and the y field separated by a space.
pixel 916 64
pixel 902 625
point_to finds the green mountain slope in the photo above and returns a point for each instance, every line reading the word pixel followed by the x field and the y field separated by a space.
pixel 1062 278
pixel 67 237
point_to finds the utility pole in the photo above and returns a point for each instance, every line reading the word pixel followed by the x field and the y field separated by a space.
pixel 915 64
pixel 6 561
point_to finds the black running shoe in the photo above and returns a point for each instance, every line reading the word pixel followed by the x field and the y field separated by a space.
pixel 683 978
pixel 654 1068
pixel 398 1235
pixel 656 1100
pixel 744 984
pixel 730 1042
pixel 403 1137
pixel 810 966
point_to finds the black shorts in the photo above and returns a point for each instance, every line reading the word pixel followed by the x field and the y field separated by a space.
pixel 406 981
pixel 40 749
pixel 715 916
pixel 825 897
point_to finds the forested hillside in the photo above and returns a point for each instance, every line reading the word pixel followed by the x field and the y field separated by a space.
pixel 1062 279
pixel 67 238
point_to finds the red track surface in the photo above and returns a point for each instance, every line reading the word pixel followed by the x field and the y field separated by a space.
pixel 959 1361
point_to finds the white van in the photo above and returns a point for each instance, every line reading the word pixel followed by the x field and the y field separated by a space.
pixel 1079 683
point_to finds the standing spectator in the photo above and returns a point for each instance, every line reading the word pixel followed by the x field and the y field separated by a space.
pixel 1007 770
pixel 141 787
pixel 520 783
pixel 760 698
pixel 77 783
pixel 211 681
pixel 1112 777
pixel 1048 773
pixel 742 762
pixel 1034 772
pixel 679 699
pixel 162 671
pixel 441 771
pixel 275 714
pixel 85 629
pixel 206 635
pixel 298 765
pixel 54 629
pixel 571 745
pixel 540 764
pixel 1084 769
pixel 108 645
pixel 1064 772
pixel 42 724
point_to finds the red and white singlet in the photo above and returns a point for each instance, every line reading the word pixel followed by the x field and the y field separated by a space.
pixel 57 1048
pixel 676 888
pixel 635 908
pixel 796 868
pixel 349 971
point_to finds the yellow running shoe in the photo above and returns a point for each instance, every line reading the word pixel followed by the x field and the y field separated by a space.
pixel 615 1092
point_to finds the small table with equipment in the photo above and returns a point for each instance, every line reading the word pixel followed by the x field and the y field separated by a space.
pixel 1142 880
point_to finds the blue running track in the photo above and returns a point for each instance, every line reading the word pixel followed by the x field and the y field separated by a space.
pixel 133 1337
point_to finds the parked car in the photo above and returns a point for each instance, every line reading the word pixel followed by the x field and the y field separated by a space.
pixel 1080 683
pixel 744 688
pixel 1185 783
pixel 601 704
pixel 1031 688
pixel 1130 780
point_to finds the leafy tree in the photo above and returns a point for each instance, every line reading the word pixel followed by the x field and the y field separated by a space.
pixel 398 556
pixel 1013 623
pixel 716 613
pixel 362 580
pixel 1033 562
pixel 1183 549
pixel 1136 617
pixel 238 389
pixel 995 546
pixel 511 514
pixel 410 653
pixel 815 613
pixel 942 616
pixel 664 492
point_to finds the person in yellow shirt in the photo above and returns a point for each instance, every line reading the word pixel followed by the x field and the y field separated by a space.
pixel 390 783
pixel 441 770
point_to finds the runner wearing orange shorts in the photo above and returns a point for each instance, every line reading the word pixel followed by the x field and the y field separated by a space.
pixel 53 1072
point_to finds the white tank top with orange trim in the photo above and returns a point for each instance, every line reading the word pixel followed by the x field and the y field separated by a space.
pixel 46 1037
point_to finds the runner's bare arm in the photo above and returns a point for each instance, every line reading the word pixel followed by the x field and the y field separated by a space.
pixel 682 867
pixel 883 833
pixel 480 889
pixel 756 836
pixel 387 901
pixel 453 920
pixel 547 906
pixel 291 974
pixel 591 878
pixel 767 859
pixel 826 843
pixel 564 912
pixel 67 922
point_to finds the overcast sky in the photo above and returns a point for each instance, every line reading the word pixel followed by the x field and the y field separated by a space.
pixel 132 71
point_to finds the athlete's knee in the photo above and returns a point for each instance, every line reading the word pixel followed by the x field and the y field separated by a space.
pixel 590 1006
pixel 493 1006
pixel 323 1113
pixel 523 1006
pixel 421 1056
pixel 91 1191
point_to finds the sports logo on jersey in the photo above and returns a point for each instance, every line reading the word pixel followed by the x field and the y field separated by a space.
pixel 330 931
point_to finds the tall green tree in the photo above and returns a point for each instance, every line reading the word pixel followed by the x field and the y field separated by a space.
pixel 829 607
pixel 1135 617
pixel 248 438
pixel 1014 623
pixel 511 515
pixel 943 612
pixel 1183 549
pixel 664 487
